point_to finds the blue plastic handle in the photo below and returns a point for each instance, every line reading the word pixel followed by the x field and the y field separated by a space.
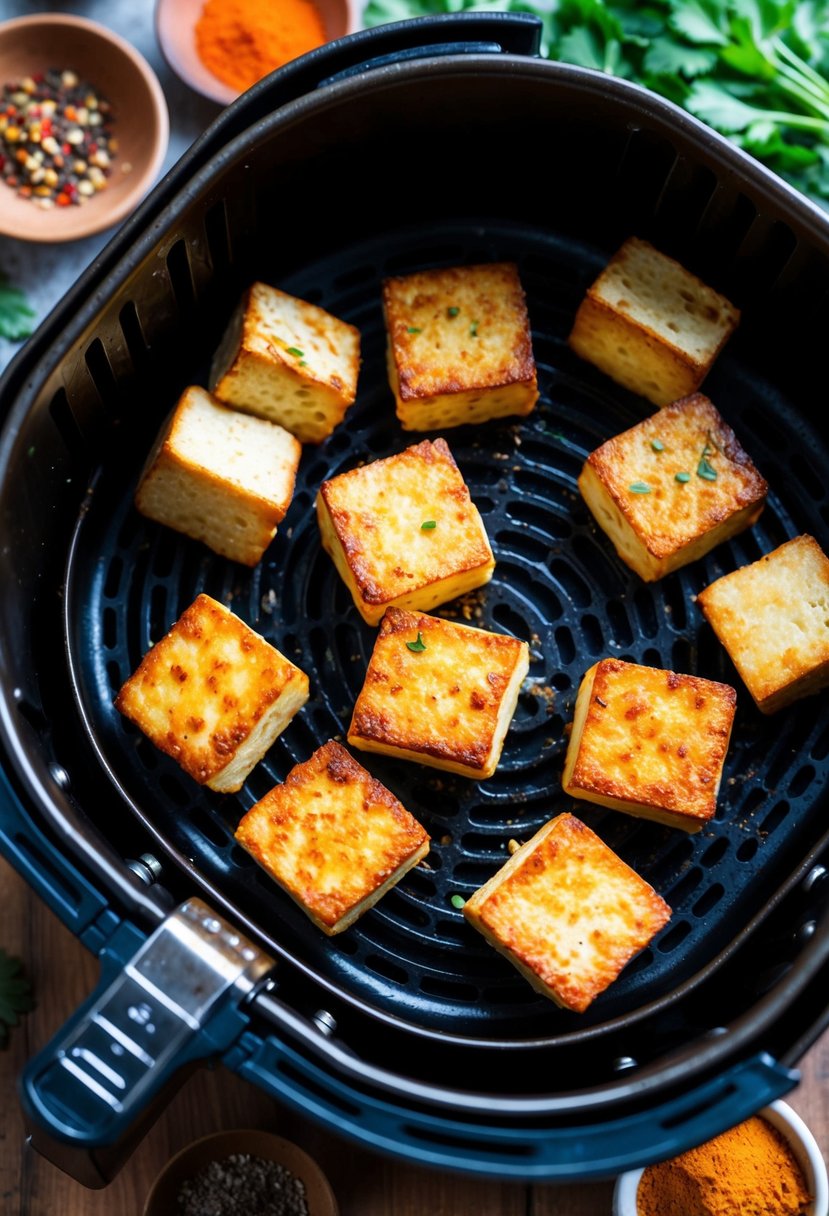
pixel 555 1153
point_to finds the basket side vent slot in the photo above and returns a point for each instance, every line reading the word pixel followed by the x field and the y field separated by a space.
pixel 101 373
pixel 134 339
pixel 218 237
pixel 67 427
pixel 181 279
pixel 644 175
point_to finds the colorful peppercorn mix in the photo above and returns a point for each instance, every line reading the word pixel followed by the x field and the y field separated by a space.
pixel 56 144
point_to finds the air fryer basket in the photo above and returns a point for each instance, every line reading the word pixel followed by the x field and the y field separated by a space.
pixel 431 162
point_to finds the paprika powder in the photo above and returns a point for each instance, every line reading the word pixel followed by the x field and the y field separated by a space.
pixel 747 1171
pixel 240 41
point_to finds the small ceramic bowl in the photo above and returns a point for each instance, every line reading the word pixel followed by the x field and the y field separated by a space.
pixel 162 1199
pixel 801 1142
pixel 141 124
pixel 175 23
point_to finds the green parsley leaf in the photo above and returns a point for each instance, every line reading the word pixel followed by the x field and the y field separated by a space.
pixel 452 312
pixel 657 445
pixel 473 329
pixel 639 487
pixel 15 994
pixel 418 646
pixel 293 350
pixel 16 314
pixel 682 477
pixel 457 901
pixel 412 329
pixel 706 471
pixel 428 525
pixel 700 22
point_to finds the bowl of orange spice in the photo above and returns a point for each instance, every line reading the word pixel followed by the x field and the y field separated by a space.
pixel 220 48
pixel 770 1165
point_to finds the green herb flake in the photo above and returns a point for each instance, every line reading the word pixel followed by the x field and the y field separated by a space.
pixel 639 487
pixel 412 329
pixel 473 329
pixel 657 445
pixel 706 471
pixel 31 451
pixel 682 477
pixel 428 525
pixel 294 350
pixel 418 646
pixel 452 312
pixel 457 901
pixel 16 314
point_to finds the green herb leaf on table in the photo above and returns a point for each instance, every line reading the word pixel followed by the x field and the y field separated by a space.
pixel 17 317
pixel 15 994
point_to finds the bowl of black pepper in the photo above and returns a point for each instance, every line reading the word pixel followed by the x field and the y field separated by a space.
pixel 241 1173
pixel 83 128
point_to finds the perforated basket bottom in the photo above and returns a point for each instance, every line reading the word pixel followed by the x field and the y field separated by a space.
pixel 557 584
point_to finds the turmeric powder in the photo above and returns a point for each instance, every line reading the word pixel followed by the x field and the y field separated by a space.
pixel 748 1171
pixel 240 41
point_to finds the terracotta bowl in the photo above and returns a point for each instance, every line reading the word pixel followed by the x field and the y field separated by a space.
pixel 175 23
pixel 161 1200
pixel 801 1141
pixel 141 123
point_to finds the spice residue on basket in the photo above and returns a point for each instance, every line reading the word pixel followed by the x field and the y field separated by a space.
pixel 242 1185
pixel 56 141
pixel 240 41
pixel 747 1171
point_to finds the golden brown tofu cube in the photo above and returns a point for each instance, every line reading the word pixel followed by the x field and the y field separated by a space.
pixel 773 619
pixel 567 912
pixel 439 693
pixel 333 837
pixel 672 487
pixel 403 531
pixel 219 476
pixel 649 742
pixel 651 325
pixel 459 346
pixel 288 361
pixel 213 694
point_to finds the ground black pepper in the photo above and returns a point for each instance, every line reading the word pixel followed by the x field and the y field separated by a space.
pixel 56 142
pixel 241 1185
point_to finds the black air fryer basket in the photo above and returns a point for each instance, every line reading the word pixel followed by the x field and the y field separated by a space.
pixel 451 145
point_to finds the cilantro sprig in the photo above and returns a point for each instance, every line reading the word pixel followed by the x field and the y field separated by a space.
pixel 756 70
pixel 17 317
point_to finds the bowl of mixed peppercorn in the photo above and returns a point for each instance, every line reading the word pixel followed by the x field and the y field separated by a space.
pixel 83 128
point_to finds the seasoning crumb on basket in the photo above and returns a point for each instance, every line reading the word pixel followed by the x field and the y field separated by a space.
pixel 240 41
pixel 242 1185
pixel 56 142
pixel 747 1171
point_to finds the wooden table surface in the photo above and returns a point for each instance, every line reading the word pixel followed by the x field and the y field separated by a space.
pixel 365 1184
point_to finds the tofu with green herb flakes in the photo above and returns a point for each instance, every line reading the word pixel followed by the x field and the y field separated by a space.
pixel 459 346
pixel 649 742
pixel 651 325
pixel 404 531
pixel 567 912
pixel 773 619
pixel 439 693
pixel 213 694
pixel 333 837
pixel 220 477
pixel 288 361
pixel 672 487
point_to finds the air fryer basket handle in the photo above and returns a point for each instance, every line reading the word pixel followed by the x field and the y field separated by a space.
pixel 175 1000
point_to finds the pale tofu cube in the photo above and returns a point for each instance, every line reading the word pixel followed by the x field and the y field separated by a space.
pixel 288 361
pixel 649 742
pixel 213 694
pixel 333 837
pixel 459 346
pixel 404 531
pixel 672 487
pixel 651 325
pixel 773 619
pixel 219 476
pixel 439 693
pixel 567 912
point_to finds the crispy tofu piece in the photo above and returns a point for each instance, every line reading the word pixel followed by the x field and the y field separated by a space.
pixel 567 912
pixel 403 531
pixel 439 693
pixel 213 694
pixel 651 325
pixel 672 487
pixel 333 837
pixel 220 477
pixel 649 742
pixel 288 361
pixel 459 346
pixel 773 619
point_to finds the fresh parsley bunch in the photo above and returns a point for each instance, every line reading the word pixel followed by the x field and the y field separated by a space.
pixel 756 70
